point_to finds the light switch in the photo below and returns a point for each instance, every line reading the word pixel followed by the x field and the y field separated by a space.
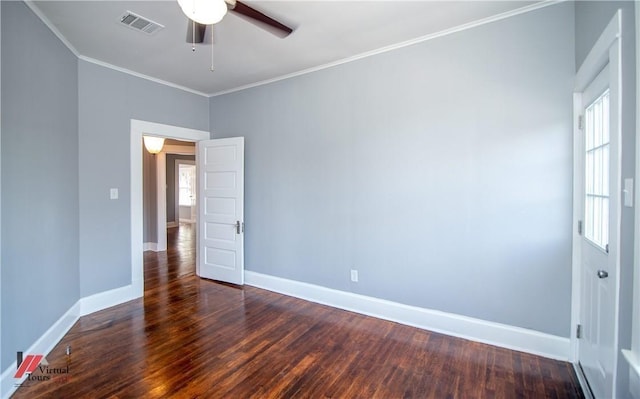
pixel 628 192
pixel 113 193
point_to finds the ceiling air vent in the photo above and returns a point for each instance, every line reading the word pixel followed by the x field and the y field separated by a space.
pixel 137 22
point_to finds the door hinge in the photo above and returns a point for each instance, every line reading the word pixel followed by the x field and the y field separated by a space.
pixel 580 122
pixel 579 227
pixel 579 331
pixel 243 227
pixel 606 248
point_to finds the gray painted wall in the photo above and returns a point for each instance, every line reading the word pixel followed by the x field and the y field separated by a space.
pixel 149 193
pixel 1 194
pixel 39 179
pixel 441 171
pixel 108 101
pixel 591 18
pixel 171 183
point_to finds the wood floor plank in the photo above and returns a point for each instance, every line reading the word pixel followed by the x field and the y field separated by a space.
pixel 193 338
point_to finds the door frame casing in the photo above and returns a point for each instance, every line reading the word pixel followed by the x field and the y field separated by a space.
pixel 606 50
pixel 137 129
pixel 633 356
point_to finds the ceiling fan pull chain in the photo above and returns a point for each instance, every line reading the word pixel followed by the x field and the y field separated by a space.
pixel 193 36
pixel 211 48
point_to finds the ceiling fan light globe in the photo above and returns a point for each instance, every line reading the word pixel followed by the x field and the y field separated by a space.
pixel 206 12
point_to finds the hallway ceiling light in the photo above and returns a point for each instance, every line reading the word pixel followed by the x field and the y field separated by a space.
pixel 153 144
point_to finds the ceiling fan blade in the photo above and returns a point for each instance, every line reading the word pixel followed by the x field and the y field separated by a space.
pixel 264 21
pixel 195 35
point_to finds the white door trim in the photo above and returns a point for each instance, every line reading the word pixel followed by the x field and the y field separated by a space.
pixel 606 50
pixel 635 345
pixel 633 355
pixel 138 128
pixel 576 251
pixel 598 57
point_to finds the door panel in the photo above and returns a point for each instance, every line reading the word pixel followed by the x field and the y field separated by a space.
pixel 598 243
pixel 221 210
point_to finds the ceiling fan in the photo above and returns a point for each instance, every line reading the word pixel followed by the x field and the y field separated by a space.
pixel 208 12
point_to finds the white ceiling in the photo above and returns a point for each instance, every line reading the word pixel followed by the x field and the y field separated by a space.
pixel 244 54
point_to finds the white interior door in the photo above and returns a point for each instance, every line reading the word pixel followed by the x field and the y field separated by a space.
pixel 600 226
pixel 221 210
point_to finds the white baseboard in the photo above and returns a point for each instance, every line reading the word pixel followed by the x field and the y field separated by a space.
pixel 107 299
pixel 150 246
pixel 54 334
pixel 192 221
pixel 633 360
pixel 634 372
pixel 502 335
pixel 43 345
pixel 154 246
pixel 634 384
pixel 172 224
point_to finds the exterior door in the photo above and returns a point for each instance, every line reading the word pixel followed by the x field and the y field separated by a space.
pixel 221 210
pixel 600 148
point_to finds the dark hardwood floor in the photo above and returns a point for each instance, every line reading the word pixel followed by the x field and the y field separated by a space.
pixel 192 338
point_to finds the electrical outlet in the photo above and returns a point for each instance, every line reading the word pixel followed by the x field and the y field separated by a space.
pixel 354 275
pixel 113 193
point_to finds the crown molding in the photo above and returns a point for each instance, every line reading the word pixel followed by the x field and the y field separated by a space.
pixel 411 42
pixel 431 36
pixel 51 27
pixel 141 75
pixel 34 8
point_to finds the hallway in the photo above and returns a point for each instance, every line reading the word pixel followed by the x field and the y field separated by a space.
pixel 178 261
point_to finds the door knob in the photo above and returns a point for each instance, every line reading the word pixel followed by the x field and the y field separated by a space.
pixel 237 227
pixel 602 274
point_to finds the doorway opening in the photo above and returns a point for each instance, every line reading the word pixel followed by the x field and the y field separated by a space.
pixel 161 180
pixel 138 129
pixel 170 213
pixel 176 152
